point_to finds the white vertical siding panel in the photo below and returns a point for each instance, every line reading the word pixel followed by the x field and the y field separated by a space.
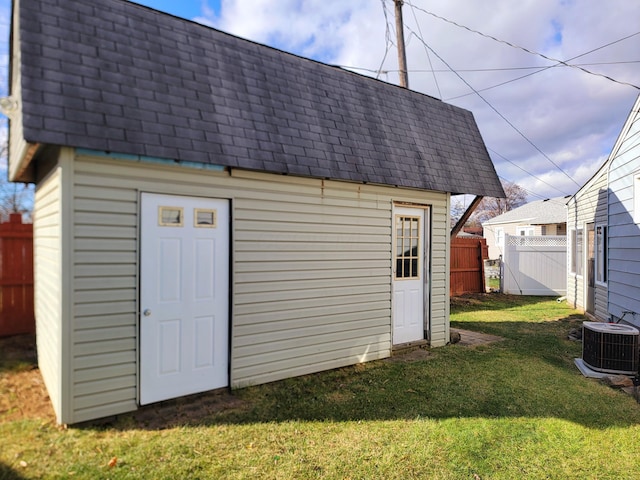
pixel 47 242
pixel 105 291
pixel 344 254
pixel 624 248
pixel 588 206
pixel 440 273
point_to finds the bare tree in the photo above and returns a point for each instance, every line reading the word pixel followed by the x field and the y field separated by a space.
pixel 457 210
pixel 490 207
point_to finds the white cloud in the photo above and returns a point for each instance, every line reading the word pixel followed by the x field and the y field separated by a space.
pixel 572 116
pixel 312 28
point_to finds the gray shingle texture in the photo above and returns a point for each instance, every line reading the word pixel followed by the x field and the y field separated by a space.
pixel 538 212
pixel 115 76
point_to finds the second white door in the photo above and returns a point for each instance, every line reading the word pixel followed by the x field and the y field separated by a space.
pixel 409 275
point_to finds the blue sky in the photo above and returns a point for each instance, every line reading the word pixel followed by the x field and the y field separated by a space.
pixel 572 117
pixel 181 8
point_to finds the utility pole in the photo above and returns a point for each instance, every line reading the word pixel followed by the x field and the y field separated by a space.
pixel 402 56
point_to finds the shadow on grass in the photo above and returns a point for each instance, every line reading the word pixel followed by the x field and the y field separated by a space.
pixel 17 352
pixel 8 473
pixel 529 374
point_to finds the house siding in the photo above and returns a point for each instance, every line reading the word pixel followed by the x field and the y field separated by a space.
pixel 624 249
pixel 47 248
pixel 311 273
pixel 331 248
pixel 105 278
pixel 588 206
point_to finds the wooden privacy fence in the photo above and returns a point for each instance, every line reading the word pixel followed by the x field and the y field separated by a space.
pixel 16 277
pixel 467 265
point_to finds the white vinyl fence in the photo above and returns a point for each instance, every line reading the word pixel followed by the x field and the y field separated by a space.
pixel 535 265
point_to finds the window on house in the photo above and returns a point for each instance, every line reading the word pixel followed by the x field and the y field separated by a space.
pixel 500 238
pixel 601 254
pixel 561 229
pixel 636 198
pixel 576 251
pixel 522 231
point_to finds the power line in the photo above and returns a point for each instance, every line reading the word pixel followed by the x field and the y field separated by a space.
pixel 498 112
pixel 562 62
pixel 552 66
pixel 435 78
pixel 471 70
pixel 387 37
pixel 525 171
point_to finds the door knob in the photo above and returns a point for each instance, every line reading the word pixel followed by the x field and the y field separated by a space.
pixel 146 312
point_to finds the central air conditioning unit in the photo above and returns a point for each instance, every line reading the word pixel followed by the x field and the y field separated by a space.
pixel 610 347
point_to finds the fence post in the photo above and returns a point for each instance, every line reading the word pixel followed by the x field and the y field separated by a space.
pixel 481 249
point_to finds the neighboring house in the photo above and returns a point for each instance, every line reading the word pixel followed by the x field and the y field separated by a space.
pixel 604 248
pixel 211 212
pixel 587 225
pixel 540 217
pixel 622 260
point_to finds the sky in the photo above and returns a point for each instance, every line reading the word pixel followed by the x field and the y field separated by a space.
pixel 548 131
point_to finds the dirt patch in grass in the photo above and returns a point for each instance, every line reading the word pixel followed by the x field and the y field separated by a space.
pixel 409 356
pixel 469 299
pixel 22 391
pixel 23 395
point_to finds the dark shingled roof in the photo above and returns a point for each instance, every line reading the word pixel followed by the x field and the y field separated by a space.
pixel 114 76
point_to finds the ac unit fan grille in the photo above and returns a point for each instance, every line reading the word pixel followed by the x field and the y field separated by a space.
pixel 612 352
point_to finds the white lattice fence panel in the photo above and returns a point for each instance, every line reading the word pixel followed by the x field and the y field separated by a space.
pixel 538 240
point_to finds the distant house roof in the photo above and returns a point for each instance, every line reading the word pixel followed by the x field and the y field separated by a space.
pixel 539 212
pixel 115 76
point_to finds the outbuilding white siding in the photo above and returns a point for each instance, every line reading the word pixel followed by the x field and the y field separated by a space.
pixel 310 271
pixel 47 248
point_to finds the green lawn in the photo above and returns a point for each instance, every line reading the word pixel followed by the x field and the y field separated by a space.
pixel 514 409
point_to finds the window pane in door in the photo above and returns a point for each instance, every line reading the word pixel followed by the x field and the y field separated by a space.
pixel 407 247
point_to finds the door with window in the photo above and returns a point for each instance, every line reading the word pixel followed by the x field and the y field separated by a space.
pixel 184 296
pixel 409 274
pixel 590 305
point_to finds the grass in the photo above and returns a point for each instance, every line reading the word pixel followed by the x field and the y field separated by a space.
pixel 493 284
pixel 514 409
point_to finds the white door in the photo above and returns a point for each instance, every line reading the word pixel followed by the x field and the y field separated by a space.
pixel 184 296
pixel 409 275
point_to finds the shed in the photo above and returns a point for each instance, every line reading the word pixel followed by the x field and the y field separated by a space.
pixel 214 213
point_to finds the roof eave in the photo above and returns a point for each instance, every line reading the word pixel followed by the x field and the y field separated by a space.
pixel 21 162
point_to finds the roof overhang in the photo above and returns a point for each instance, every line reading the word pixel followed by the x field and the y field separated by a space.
pixel 21 162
